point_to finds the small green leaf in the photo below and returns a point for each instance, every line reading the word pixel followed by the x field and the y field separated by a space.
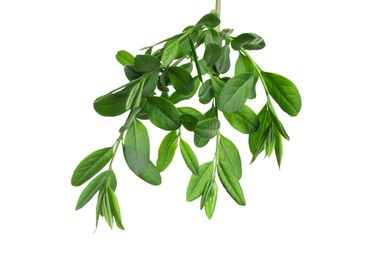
pixel 257 139
pixel 223 63
pixel 191 111
pixel 91 189
pixel 278 147
pixel 284 92
pixel 170 52
pixel 212 53
pixel 278 124
pixel 248 41
pixel 131 73
pixel 217 84
pixel 135 95
pixel 189 121
pixel 124 57
pixel 197 184
pixel 199 141
pixel 163 114
pixel 245 121
pixel 211 200
pixel 212 36
pixel 167 150
pixel 91 165
pixel 231 184
pixel 209 20
pixel 151 175
pixel 111 104
pixel 207 128
pixel 146 63
pixel 106 210
pixel 99 205
pixel 195 58
pixel 270 142
pixel 150 84
pixel 136 148
pixel 235 93
pixel 206 92
pixel 181 80
pixel 189 157
pixel 113 182
pixel 244 65
pixel 115 208
pixel 187 67
pixel 229 156
pixel 177 97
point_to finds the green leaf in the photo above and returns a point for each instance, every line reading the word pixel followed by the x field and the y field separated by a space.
pixel 199 141
pixel 278 147
pixel 170 52
pixel 223 63
pixel 270 141
pixel 284 92
pixel 245 121
pixel 278 124
pixel 244 65
pixel 151 175
pixel 211 200
pixel 135 95
pixel 146 63
pixel 217 84
pixel 106 210
pixel 113 182
pixel 167 150
pixel 212 36
pixel 177 97
pixel 231 184
pixel 248 41
pixel 92 188
pixel 209 20
pixel 181 80
pixel 189 121
pixel 187 67
pixel 111 104
pixel 206 92
pixel 195 58
pixel 212 53
pixel 229 156
pixel 136 148
pixel 207 128
pixel 189 157
pixel 99 205
pixel 191 111
pixel 91 165
pixel 150 84
pixel 124 57
pixel 131 73
pixel 163 114
pixel 197 184
pixel 257 139
pixel 134 112
pixel 235 93
pixel 115 208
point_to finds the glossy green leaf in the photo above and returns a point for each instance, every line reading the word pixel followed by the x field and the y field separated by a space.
pixel 135 95
pixel 207 128
pixel 198 183
pixel 270 141
pixel 278 124
pixel 163 114
pixel 150 84
pixel 187 67
pixel 136 147
pixel 231 184
pixel 124 57
pixel 235 93
pixel 211 200
pixel 115 208
pixel 191 111
pixel 212 53
pixel 223 63
pixel 151 175
pixel 131 73
pixel 206 192
pixel 166 151
pixel 113 182
pixel 99 204
pixel 171 51
pixel 177 97
pixel 244 65
pixel 212 36
pixel 106 210
pixel 91 189
pixel 189 157
pixel 181 80
pixel 229 156
pixel 91 165
pixel 146 63
pixel 284 92
pixel 245 120
pixel 248 41
pixel 195 59
pixel 257 139
pixel 200 142
pixel 209 20
pixel 111 104
pixel 189 121
pixel 129 121
pixel 206 92
pixel 217 84
pixel 278 147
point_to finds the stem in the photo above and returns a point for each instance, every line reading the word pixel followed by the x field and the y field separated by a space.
pixel 116 145
pixel 218 10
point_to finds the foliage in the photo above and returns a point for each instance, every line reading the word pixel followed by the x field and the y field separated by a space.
pixel 158 82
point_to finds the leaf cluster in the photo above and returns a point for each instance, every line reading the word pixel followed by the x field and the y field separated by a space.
pixel 162 76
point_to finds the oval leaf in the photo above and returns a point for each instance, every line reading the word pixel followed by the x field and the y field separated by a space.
pixel 229 156
pixel 181 80
pixel 206 92
pixel 189 157
pixel 278 148
pixel 245 121
pixel 209 20
pixel 92 188
pixel 207 128
pixel 231 184
pixel 91 165
pixel 223 63
pixel 146 63
pixel 163 114
pixel 212 53
pixel 151 175
pixel 284 92
pixel 136 148
pixel 167 150
pixel 124 57
pixel 171 51
pixel 248 41
pixel 235 93
pixel 111 105
pixel 115 208
pixel 211 200
pixel 197 184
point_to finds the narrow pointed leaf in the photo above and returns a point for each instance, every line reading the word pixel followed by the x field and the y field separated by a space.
pixel 151 175
pixel 189 157
pixel 211 201
pixel 195 58
pixel 115 208
pixel 257 139
pixel 207 128
pixel 229 157
pixel 245 121
pixel 106 210
pixel 284 92
pixel 146 63
pixel 231 184
pixel 244 65
pixel 217 84
pixel 124 57
pixel 181 80
pixel 91 165
pixel 113 182
pixel 99 204
pixel 136 148
pixel 278 148
pixel 270 141
pixel 150 84
pixel 248 41
pixel 278 125
pixel 197 184
pixel 171 51
pixel 91 189
pixel 163 114
pixel 167 150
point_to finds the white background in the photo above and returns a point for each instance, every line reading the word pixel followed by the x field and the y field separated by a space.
pixel 330 200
